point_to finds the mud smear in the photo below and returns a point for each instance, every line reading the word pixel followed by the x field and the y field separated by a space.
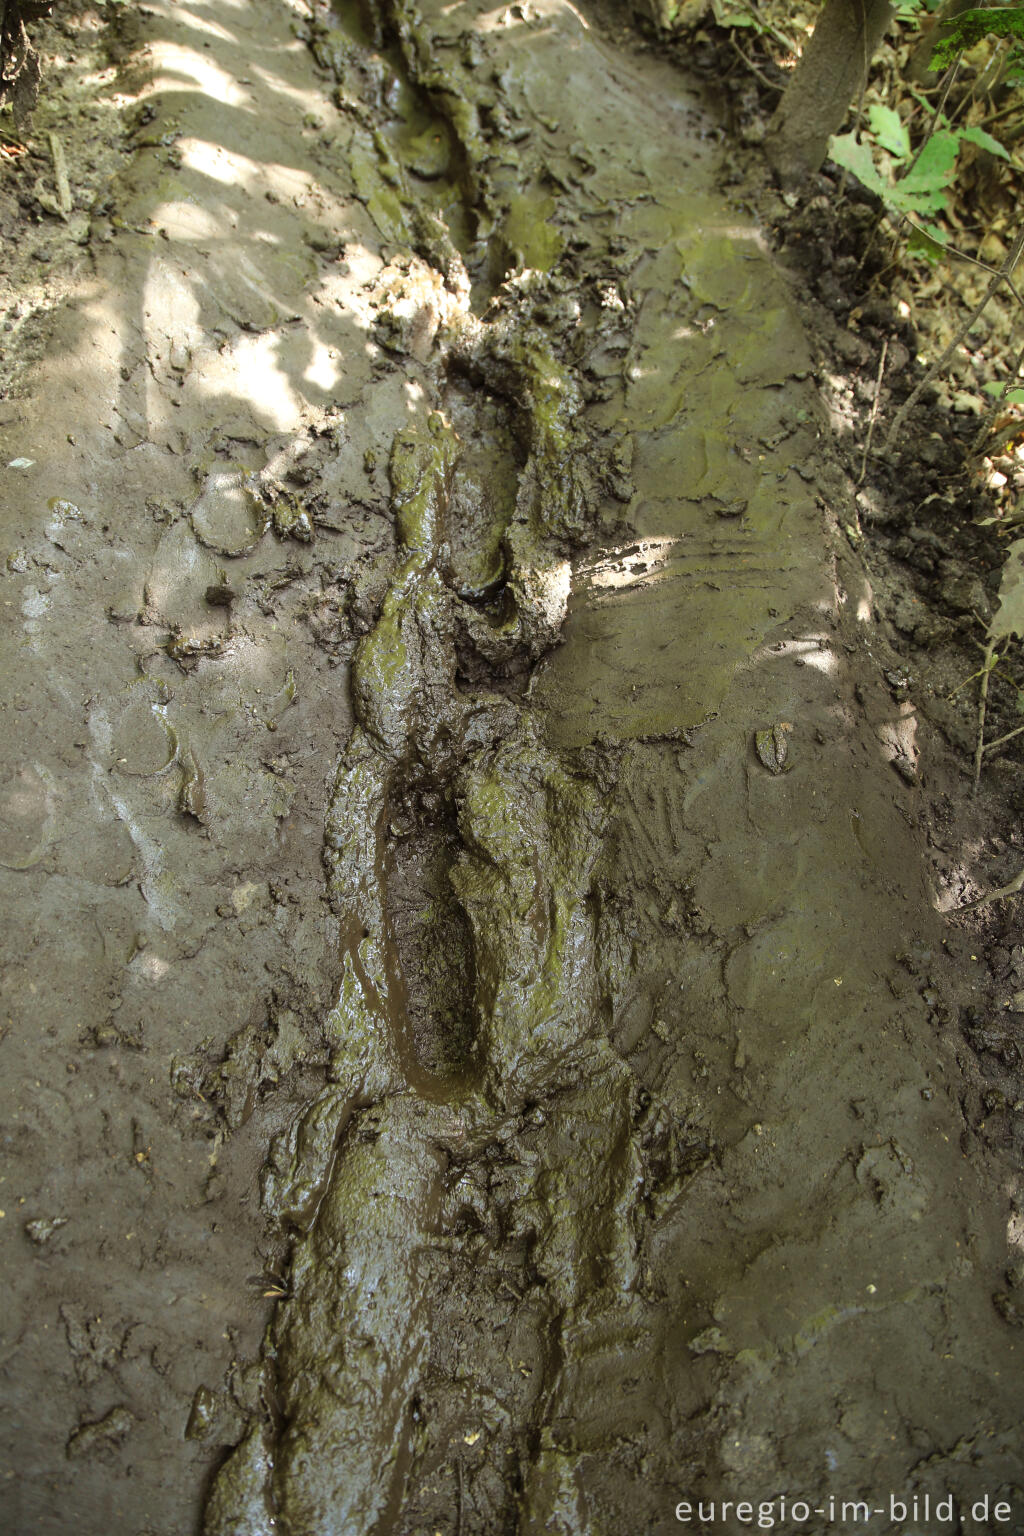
pixel 613 1154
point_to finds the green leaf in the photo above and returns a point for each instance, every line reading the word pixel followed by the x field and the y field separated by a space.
pixel 929 241
pixel 728 14
pixel 1012 396
pixel 887 126
pixel 984 141
pixel 854 156
pixel 971 26
pixel 916 204
pixel 1009 616
pixel 936 166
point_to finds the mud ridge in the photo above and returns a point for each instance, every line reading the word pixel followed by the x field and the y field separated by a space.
pixel 391 1136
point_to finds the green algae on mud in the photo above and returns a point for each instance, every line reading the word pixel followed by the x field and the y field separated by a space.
pixel 367 1169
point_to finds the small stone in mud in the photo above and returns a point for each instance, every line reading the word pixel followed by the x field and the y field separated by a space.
pixel 772 747
pixel 106 1433
pixel 899 681
pixel 201 1418
pixel 711 1341
pixel 42 1229
pixel 906 770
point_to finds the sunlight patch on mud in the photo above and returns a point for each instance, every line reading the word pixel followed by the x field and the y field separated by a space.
pixel 865 603
pixel 1015 1232
pixel 237 170
pixel 211 160
pixel 187 221
pixel 554 585
pixel 152 966
pixel 629 564
pixel 254 373
pixel 188 18
pixel 177 69
pixel 961 885
pixel 309 101
pixel 323 370
pixel 898 737
pixel 747 232
pixel 810 651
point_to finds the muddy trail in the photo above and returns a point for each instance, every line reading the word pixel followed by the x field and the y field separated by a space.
pixel 474 1000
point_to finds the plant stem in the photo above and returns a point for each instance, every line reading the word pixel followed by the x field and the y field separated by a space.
pixel 1000 739
pixel 986 427
pixel 974 261
pixel 986 673
pixel 947 86
pixel 1004 273
pixel 874 412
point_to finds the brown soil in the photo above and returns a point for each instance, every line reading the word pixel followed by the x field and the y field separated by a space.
pixel 492 1035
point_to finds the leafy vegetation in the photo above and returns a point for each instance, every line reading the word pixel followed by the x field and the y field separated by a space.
pixel 915 185
pixel 935 137
pixel 971 27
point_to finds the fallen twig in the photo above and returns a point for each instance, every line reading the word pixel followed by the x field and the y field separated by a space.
pixel 874 412
pixel 754 70
pixel 1015 885
pixel 1000 739
pixel 60 173
pixel 986 673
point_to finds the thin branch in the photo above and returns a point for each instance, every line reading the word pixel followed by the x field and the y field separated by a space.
pixel 974 261
pixel 938 367
pixel 874 412
pixel 972 95
pixel 947 86
pixel 763 25
pixel 754 70
pixel 1000 739
pixel 997 117
pixel 986 673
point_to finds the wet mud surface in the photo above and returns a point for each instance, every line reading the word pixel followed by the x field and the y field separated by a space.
pixel 479 1031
